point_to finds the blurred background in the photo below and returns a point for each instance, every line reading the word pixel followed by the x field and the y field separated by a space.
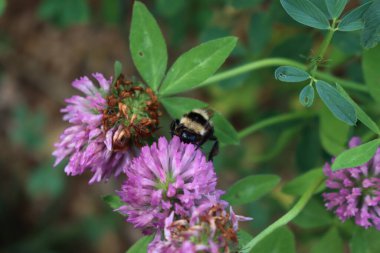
pixel 46 44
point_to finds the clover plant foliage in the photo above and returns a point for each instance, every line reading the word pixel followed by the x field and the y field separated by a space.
pixel 291 74
pixel 306 96
pixel 149 129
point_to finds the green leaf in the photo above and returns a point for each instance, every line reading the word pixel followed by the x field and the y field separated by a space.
pixel 147 45
pixel 141 245
pixel 113 201
pixel 356 156
pixel 117 69
pixel 362 115
pixel 371 33
pixel 307 96
pixel 335 7
pixel 305 12
pixel 353 21
pixel 296 45
pixel 64 13
pixel 308 219
pixel 46 181
pixel 196 65
pixel 111 11
pixel 250 189
pixel 170 8
pixel 3 4
pixel 281 241
pixel 178 106
pixel 243 237
pixel 331 242
pixel 291 74
pixel 349 45
pixel 285 137
pixel 28 128
pixel 300 184
pixel 365 241
pixel 308 150
pixel 224 131
pixel 259 32
pixel 338 105
pixel 333 133
pixel 241 4
pixel 371 59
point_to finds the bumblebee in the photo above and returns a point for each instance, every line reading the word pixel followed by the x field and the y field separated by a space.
pixel 196 127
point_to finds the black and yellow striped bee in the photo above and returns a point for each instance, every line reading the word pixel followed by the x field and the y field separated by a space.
pixel 196 127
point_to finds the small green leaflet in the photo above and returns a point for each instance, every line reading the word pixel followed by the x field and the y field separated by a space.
pixel 337 104
pixel 353 21
pixel 291 74
pixel 250 189
pixel 362 115
pixel 117 69
pixel 300 184
pixel 305 12
pixel 147 45
pixel 306 97
pixel 141 245
pixel 224 131
pixel 331 242
pixel 335 7
pixel 196 65
pixel 178 106
pixel 113 201
pixel 371 59
pixel 356 156
pixel 371 33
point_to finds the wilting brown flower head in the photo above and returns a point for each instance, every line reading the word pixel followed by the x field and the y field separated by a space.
pixel 211 228
pixel 133 109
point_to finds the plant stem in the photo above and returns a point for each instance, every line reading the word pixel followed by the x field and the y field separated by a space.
pixel 269 62
pixel 324 46
pixel 290 215
pixel 273 121
pixel 274 62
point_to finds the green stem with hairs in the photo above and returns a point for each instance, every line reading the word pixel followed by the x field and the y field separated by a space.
pixel 275 62
pixel 290 215
pixel 275 120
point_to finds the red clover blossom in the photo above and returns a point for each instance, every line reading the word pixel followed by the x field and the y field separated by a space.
pixel 166 177
pixel 355 192
pixel 107 126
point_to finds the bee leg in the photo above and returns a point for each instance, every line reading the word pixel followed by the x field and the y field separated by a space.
pixel 173 126
pixel 203 140
pixel 214 150
pixel 199 144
